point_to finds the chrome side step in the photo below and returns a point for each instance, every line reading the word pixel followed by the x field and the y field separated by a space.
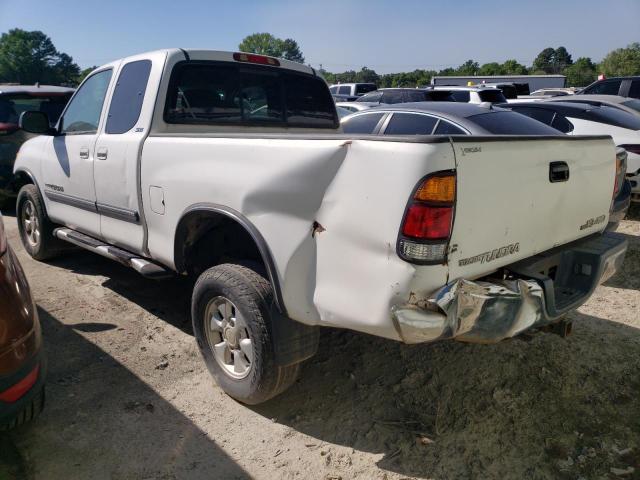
pixel 143 266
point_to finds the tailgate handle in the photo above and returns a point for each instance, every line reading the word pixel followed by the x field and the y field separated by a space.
pixel 558 172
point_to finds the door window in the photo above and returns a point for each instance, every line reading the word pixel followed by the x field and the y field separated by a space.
pixel 634 91
pixel 346 90
pixel 446 128
pixel 128 95
pixel 83 113
pixel 609 87
pixel 410 124
pixel 392 97
pixel 365 123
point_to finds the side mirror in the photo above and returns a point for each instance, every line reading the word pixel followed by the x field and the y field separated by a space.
pixel 35 122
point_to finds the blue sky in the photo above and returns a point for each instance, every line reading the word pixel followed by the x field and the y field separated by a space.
pixel 388 36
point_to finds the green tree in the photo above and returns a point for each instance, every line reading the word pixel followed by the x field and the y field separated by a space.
pixel 267 44
pixel 512 67
pixel 83 74
pixel 468 68
pixel 622 62
pixel 561 60
pixel 25 57
pixel 366 75
pixel 492 68
pixel 544 61
pixel 581 72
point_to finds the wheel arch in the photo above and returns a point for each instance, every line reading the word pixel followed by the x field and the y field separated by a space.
pixel 199 219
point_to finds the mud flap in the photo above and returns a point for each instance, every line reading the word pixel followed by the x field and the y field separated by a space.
pixel 293 342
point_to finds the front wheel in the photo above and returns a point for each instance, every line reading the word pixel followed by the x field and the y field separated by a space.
pixel 232 324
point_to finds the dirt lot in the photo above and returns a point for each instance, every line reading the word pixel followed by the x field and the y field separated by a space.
pixel 129 398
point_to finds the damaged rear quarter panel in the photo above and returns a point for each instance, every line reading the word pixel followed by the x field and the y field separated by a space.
pixel 347 275
pixel 359 275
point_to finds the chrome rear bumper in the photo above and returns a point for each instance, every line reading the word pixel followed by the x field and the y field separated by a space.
pixel 535 292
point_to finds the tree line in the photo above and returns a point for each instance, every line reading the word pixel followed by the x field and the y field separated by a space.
pixel 30 57
pixel 579 73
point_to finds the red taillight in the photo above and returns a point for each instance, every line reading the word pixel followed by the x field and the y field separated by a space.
pixel 7 128
pixel 16 392
pixel 424 221
pixel 253 58
pixel 428 219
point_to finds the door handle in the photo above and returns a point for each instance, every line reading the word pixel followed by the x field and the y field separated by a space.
pixel 84 153
pixel 558 172
pixel 102 153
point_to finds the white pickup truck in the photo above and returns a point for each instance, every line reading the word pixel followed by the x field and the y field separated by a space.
pixel 232 167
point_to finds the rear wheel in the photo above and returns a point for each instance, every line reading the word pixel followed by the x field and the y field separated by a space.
pixel 36 230
pixel 231 321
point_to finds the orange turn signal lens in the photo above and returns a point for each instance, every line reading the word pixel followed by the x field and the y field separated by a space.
pixel 437 189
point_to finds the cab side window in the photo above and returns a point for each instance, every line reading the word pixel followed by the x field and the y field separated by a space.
pixel 128 96
pixel 83 113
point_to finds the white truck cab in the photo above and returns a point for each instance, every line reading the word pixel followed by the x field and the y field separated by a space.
pixel 232 167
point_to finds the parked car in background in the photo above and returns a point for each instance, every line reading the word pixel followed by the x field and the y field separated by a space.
pixel 472 94
pixel 622 86
pixel 289 224
pixel 630 105
pixel 15 99
pixel 353 106
pixel 343 112
pixel 390 96
pixel 442 118
pixel 576 118
pixel 553 92
pixel 348 92
pixel 22 365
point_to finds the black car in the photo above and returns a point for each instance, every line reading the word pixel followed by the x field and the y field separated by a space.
pixel 622 86
pixel 442 118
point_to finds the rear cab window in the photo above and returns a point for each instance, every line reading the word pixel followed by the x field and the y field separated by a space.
pixel 215 93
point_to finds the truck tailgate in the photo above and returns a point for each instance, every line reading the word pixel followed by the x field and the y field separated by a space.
pixel 513 200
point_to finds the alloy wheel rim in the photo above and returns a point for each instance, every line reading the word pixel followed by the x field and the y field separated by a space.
pixel 30 223
pixel 228 337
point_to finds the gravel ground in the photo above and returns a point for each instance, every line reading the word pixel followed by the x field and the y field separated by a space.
pixel 129 398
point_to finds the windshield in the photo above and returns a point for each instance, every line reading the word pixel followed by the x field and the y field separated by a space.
pixel 633 103
pixel 511 123
pixel 12 105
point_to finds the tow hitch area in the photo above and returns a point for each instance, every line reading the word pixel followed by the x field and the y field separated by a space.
pixel 533 293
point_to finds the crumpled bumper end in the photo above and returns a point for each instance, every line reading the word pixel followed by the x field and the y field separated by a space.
pixel 535 292
pixel 480 312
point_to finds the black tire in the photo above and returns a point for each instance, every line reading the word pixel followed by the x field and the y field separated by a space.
pixel 251 294
pixel 30 412
pixel 47 246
